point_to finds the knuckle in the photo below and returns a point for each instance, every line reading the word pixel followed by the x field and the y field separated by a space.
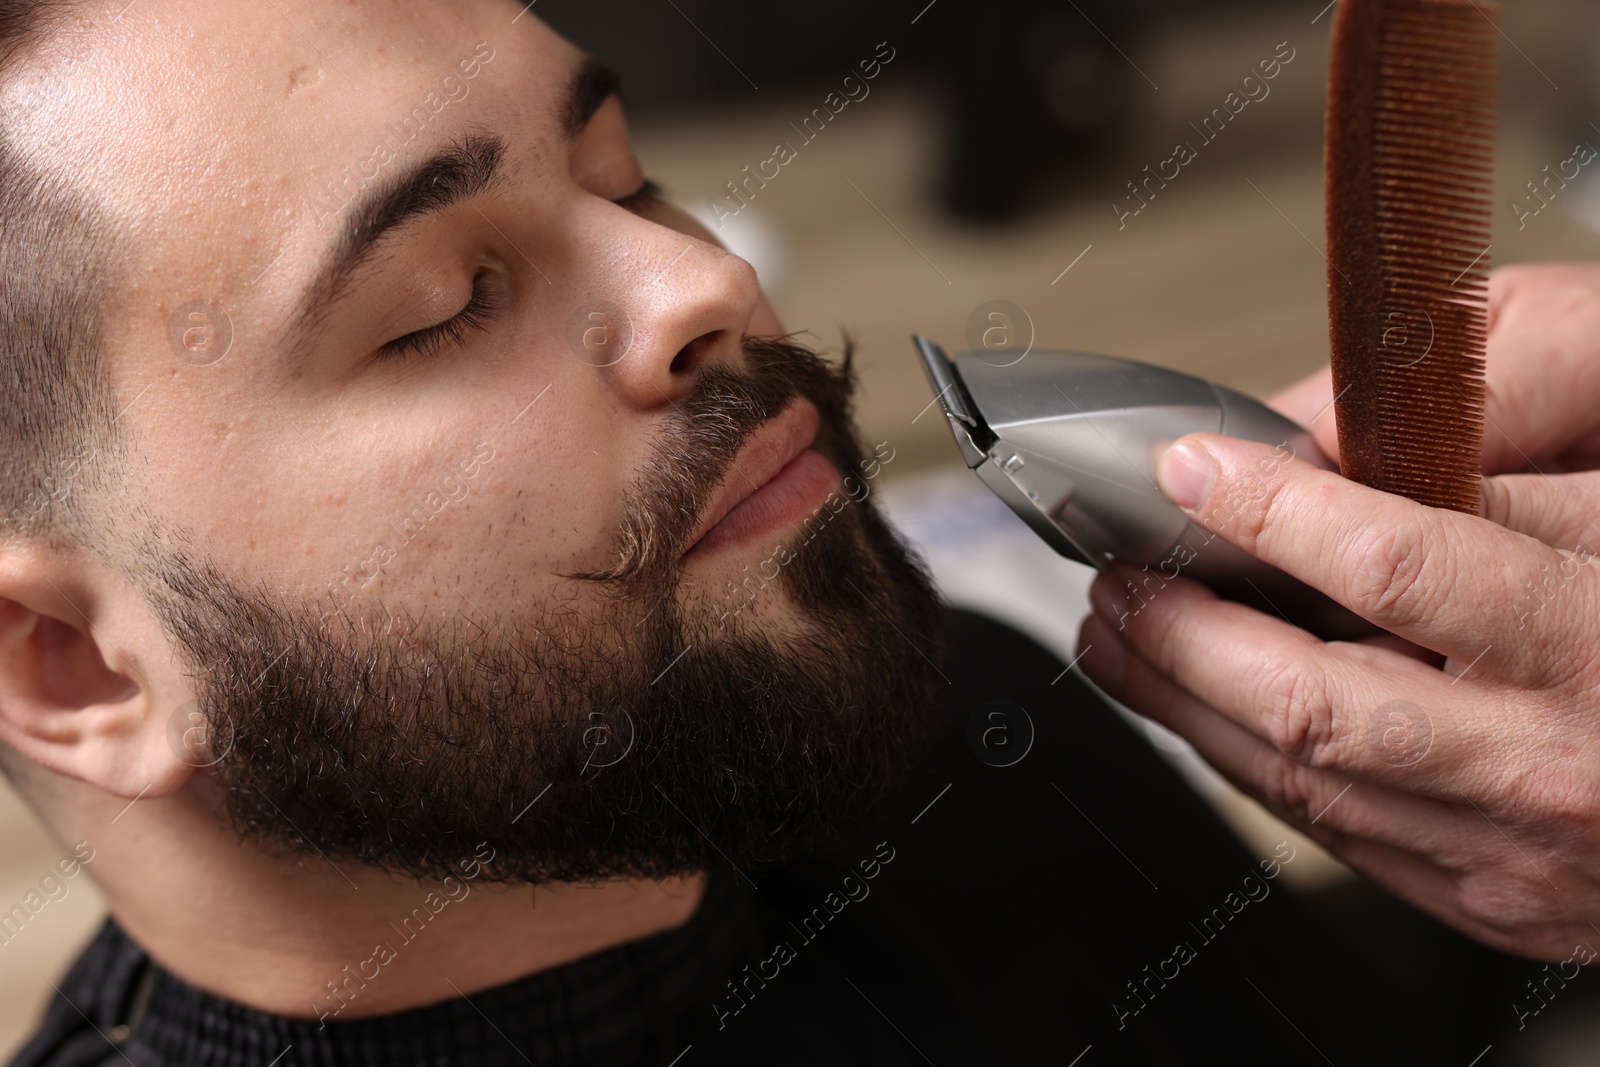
pixel 1285 787
pixel 1509 897
pixel 1575 813
pixel 1296 711
pixel 1496 902
pixel 1508 882
pixel 1388 572
pixel 1557 807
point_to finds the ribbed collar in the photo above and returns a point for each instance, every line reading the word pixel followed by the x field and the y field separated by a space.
pixel 638 1002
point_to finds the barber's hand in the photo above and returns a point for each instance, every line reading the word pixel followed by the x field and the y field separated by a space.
pixel 1469 785
pixel 1542 372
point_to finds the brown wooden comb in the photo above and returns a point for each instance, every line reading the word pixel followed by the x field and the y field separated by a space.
pixel 1409 151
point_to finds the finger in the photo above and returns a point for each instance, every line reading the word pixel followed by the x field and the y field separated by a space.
pixel 1437 855
pixel 1400 646
pixel 1438 578
pixel 1439 892
pixel 1309 402
pixel 1325 706
pixel 1556 511
pixel 1541 330
pixel 1559 510
pixel 1304 796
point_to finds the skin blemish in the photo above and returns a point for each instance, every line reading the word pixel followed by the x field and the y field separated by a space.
pixel 304 77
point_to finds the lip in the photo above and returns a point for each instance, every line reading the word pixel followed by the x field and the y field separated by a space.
pixel 771 449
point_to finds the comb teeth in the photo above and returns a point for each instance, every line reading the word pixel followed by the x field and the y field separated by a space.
pixel 1409 158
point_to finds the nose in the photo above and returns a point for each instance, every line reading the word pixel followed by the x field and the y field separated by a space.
pixel 683 301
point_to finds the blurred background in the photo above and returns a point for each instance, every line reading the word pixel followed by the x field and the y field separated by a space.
pixel 989 159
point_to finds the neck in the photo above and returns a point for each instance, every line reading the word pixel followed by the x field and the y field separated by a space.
pixel 299 936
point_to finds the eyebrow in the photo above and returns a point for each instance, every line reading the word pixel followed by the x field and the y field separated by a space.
pixel 462 169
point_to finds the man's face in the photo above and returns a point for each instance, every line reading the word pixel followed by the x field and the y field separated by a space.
pixel 236 145
pixel 432 533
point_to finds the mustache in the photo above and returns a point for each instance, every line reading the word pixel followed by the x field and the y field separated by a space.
pixel 705 434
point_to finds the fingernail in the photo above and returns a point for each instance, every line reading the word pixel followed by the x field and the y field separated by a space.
pixel 1186 474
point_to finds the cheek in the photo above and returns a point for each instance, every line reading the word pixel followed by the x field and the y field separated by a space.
pixel 545 504
pixel 374 515
pixel 550 500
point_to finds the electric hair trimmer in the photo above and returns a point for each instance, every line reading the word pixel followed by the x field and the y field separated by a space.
pixel 1069 441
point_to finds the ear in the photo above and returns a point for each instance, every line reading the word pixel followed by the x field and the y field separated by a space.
pixel 74 698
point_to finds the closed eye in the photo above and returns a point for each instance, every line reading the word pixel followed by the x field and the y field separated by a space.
pixel 477 314
pixel 481 307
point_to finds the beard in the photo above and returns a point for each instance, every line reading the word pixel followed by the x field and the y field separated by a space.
pixel 621 729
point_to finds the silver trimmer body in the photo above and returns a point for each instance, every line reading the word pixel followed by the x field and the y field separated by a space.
pixel 1070 441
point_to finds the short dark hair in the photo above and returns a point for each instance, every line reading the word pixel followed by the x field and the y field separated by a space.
pixel 57 261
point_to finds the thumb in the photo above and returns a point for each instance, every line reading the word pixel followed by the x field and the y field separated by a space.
pixel 1557 509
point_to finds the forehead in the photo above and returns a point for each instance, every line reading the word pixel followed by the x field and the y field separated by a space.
pixel 222 137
